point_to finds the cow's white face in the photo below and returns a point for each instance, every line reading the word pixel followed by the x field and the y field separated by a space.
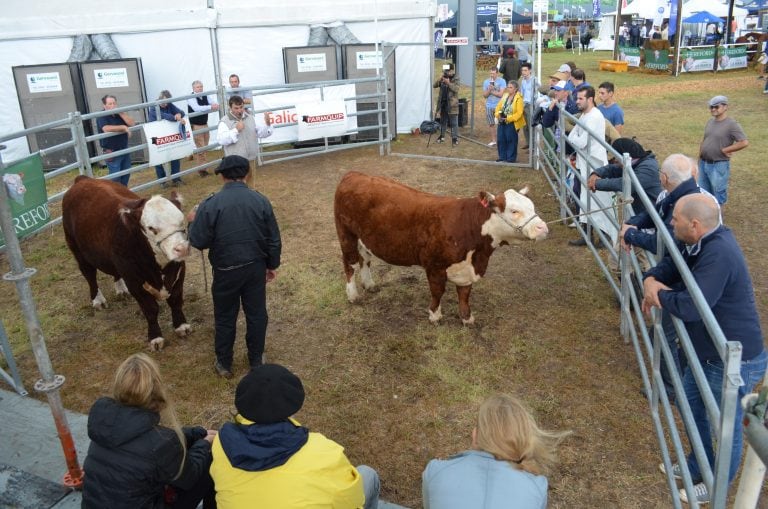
pixel 163 225
pixel 515 217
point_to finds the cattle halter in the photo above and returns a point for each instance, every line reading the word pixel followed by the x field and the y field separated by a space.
pixel 169 236
pixel 515 227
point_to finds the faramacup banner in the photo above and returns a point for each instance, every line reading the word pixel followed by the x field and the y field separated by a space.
pixel 281 117
pixel 732 57
pixel 699 59
pixel 325 119
pixel 657 59
pixel 27 196
pixel 167 141
pixel 630 55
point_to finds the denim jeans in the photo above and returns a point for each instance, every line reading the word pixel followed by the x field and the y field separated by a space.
pixel 120 163
pixel 752 372
pixel 371 486
pixel 713 177
pixel 454 120
pixel 507 142
pixel 175 166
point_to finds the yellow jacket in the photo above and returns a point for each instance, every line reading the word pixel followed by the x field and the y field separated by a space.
pixel 512 113
pixel 318 475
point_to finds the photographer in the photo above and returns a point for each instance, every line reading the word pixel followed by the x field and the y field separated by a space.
pixel 448 102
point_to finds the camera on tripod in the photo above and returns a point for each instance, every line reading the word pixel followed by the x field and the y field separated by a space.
pixel 448 71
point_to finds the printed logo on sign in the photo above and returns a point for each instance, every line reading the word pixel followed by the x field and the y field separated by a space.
pixel 316 119
pixel 111 78
pixel 44 82
pixel 456 41
pixel 164 140
pixel 311 62
pixel 368 59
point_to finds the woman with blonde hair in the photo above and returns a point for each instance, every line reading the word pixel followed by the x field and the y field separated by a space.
pixel 139 456
pixel 506 466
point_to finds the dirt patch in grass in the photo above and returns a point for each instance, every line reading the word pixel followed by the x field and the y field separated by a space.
pixel 393 389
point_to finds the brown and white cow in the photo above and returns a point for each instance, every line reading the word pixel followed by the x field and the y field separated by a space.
pixel 452 238
pixel 141 242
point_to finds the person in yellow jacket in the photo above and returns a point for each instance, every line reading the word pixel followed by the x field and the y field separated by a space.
pixel 509 114
pixel 267 459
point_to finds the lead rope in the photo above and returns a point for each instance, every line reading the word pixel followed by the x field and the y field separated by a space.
pixel 623 201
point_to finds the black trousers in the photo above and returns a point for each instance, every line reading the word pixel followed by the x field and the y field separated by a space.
pixel 245 286
pixel 202 491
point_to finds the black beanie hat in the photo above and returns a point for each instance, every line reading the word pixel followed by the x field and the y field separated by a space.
pixel 630 146
pixel 269 394
pixel 233 167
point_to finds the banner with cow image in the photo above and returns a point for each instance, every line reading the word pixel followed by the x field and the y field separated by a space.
pixel 698 59
pixel 731 57
pixel 25 185
pixel 283 107
pixel 657 59
pixel 167 141
pixel 630 55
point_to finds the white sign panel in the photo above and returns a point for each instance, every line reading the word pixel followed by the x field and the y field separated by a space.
pixel 324 119
pixel 368 59
pixel 167 141
pixel 286 120
pixel 456 41
pixel 311 62
pixel 44 82
pixel 111 78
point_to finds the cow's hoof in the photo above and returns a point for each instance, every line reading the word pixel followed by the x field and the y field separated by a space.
pixel 156 344
pixel 435 316
pixel 469 321
pixel 99 302
pixel 120 288
pixel 352 295
pixel 183 330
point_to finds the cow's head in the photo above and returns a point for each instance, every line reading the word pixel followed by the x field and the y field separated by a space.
pixel 513 216
pixel 163 224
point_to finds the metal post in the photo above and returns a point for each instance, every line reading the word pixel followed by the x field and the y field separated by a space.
pixel 50 382
pixel 624 258
pixel 81 146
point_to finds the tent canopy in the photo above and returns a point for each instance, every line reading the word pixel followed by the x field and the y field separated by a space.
pixel 703 17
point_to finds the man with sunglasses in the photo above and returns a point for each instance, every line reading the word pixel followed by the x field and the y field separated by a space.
pixel 722 137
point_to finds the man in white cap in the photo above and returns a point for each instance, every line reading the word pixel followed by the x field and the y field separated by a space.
pixel 722 137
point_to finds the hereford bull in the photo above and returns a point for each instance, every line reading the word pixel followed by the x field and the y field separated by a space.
pixel 140 242
pixel 451 238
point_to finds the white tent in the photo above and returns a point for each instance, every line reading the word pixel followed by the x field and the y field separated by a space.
pixel 605 38
pixel 646 9
pixel 176 41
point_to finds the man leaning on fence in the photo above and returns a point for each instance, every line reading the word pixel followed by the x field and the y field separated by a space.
pixel 119 123
pixel 720 270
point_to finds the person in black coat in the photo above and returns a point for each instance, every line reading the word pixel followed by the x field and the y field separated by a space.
pixel 134 461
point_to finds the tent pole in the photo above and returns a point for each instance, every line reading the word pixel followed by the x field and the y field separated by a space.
pixel 678 36
pixel 616 26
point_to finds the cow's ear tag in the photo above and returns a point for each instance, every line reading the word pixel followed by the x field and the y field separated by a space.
pixel 484 202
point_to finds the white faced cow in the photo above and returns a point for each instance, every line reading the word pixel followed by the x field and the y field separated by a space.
pixel 141 242
pixel 452 238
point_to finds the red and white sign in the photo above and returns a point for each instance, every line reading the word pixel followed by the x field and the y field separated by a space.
pixel 167 141
pixel 286 121
pixel 324 119
pixel 456 41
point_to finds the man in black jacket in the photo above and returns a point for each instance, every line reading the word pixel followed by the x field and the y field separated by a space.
pixel 239 227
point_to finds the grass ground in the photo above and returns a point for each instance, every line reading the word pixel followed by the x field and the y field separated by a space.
pixel 393 389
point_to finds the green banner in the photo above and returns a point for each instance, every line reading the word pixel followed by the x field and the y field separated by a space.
pixel 25 185
pixel 732 57
pixel 630 55
pixel 657 59
pixel 699 59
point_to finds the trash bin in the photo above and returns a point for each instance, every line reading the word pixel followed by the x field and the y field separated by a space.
pixel 463 117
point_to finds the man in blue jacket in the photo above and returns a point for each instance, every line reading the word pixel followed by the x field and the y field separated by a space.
pixel 718 266
pixel 168 111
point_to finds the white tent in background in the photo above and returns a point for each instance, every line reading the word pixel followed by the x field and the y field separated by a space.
pixel 606 37
pixel 718 9
pixel 646 9
pixel 176 41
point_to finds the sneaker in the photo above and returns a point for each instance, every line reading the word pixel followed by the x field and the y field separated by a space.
pixel 164 185
pixel 699 490
pixel 492 144
pixel 524 147
pixel 455 141
pixel 677 471
pixel 222 371
pixel 572 224
pixel 178 183
pixel 203 173
pixel 440 139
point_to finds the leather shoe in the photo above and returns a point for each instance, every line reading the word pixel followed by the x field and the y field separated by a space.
pixel 222 371
pixel 578 242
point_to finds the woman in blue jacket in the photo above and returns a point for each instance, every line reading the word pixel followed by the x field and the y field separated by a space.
pixel 506 466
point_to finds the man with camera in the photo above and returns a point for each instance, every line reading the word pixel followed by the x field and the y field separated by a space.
pixel 448 102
